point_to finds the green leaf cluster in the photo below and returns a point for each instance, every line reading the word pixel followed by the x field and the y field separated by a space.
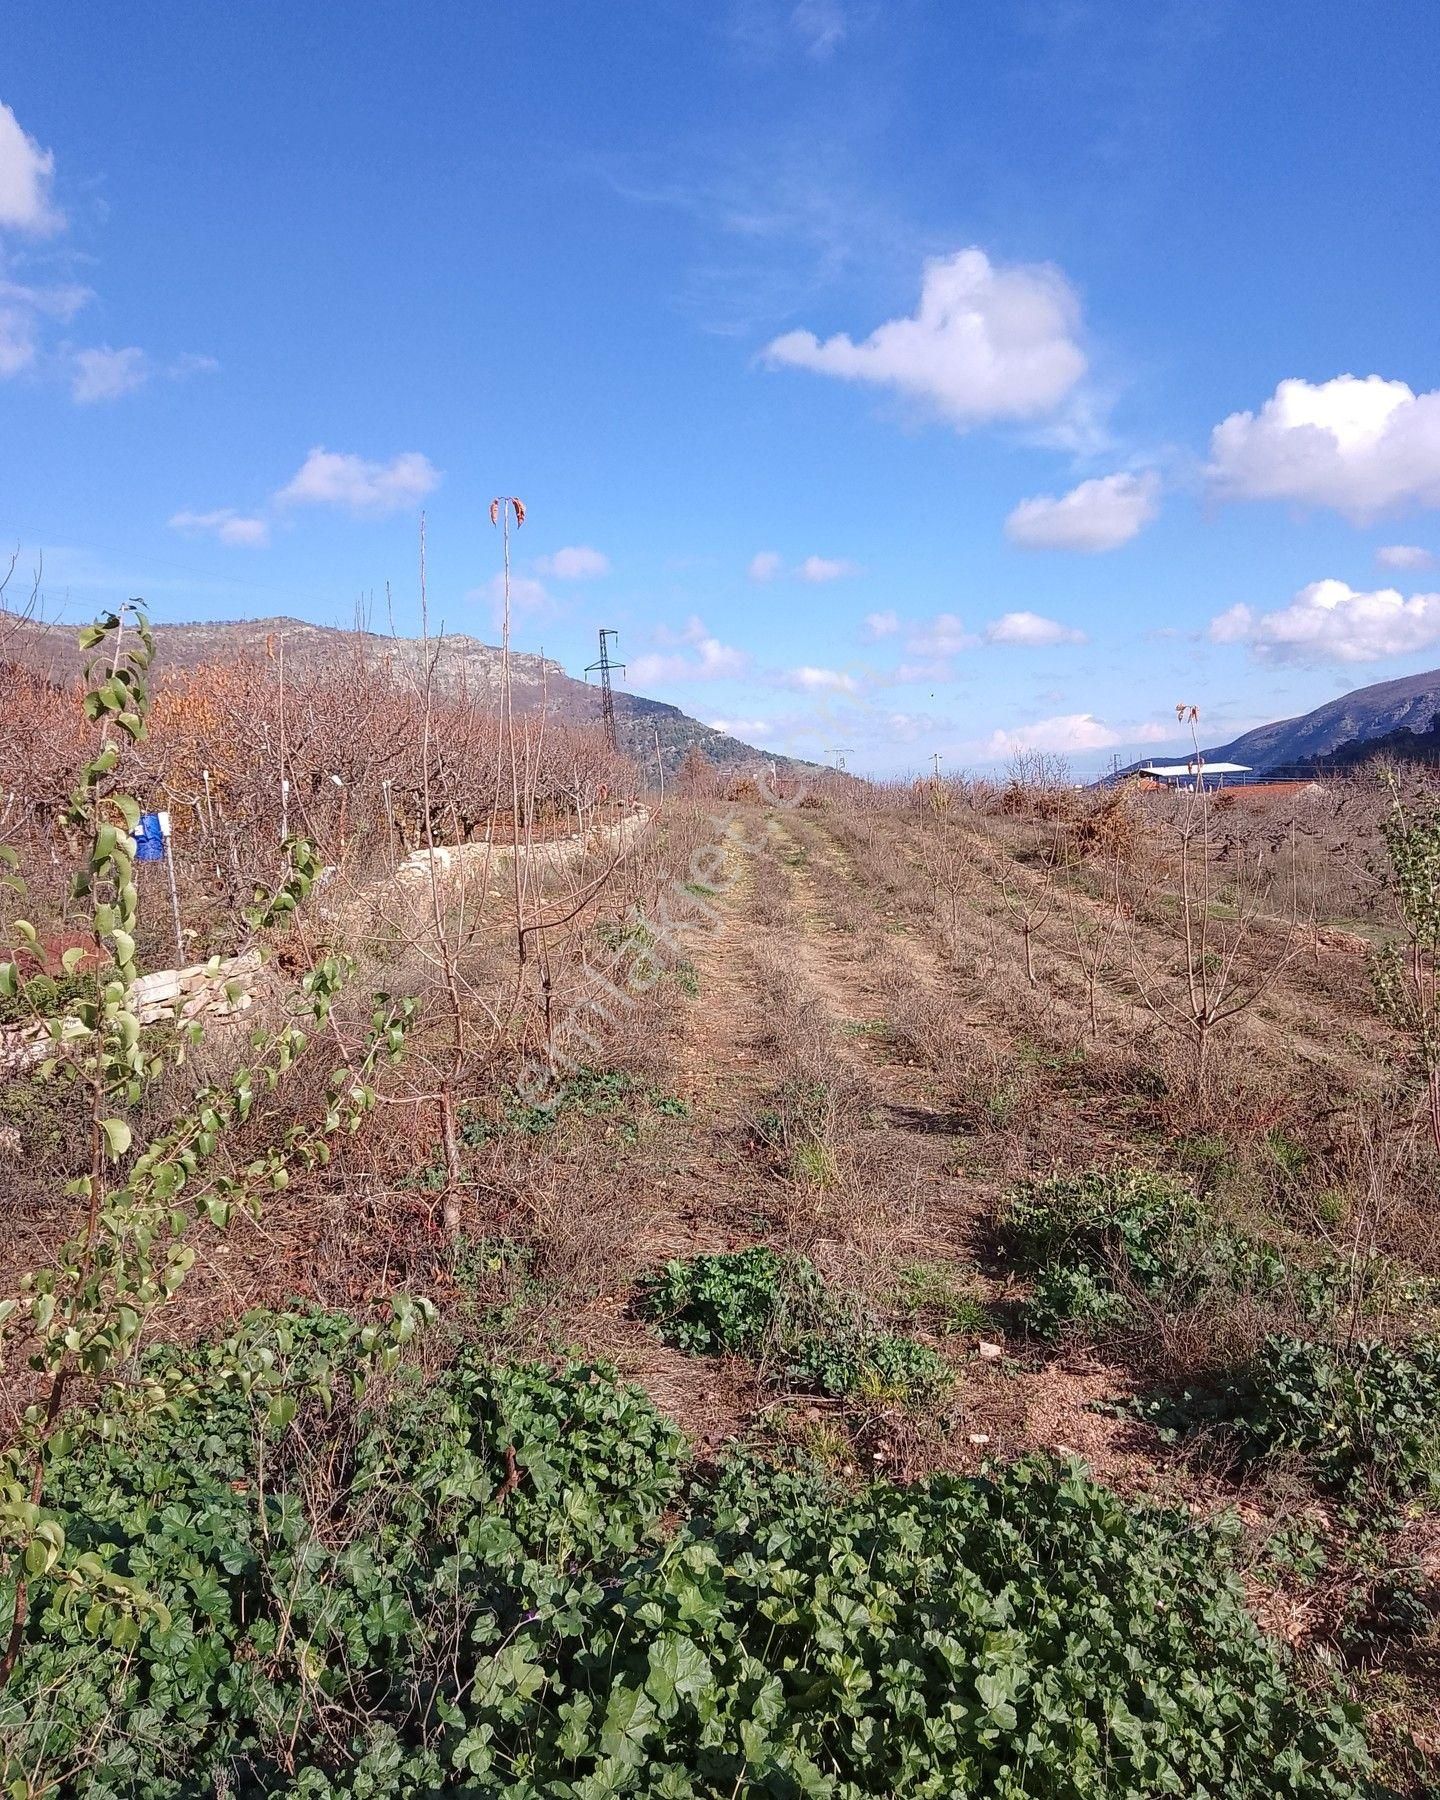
pixel 45 996
pixel 759 1302
pixel 497 1583
pixel 1087 1239
pixel 1364 1416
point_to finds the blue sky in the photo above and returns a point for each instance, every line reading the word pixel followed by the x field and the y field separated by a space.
pixel 897 378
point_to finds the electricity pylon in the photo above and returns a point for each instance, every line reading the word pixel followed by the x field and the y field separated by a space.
pixel 607 696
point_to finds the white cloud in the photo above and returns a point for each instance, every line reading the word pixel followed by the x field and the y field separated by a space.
pixel 329 478
pixel 527 595
pixel 1329 621
pixel 576 562
pixel 826 568
pixel 106 374
pixel 743 728
pixel 1070 732
pixel 710 660
pixel 1097 515
pixel 942 636
pixel 1363 447
pixel 881 625
pixel 822 681
pixel 21 310
pixel 1031 628
pixel 985 343
pixel 819 681
pixel 765 565
pixel 1403 556
pixel 225 524
pixel 25 177
pixel 937 669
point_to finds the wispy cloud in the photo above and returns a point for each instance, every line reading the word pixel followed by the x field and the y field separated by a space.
pixel 96 373
pixel 699 656
pixel 576 562
pixel 769 565
pixel 819 569
pixel 24 308
pixel 357 486
pixel 743 728
pixel 106 374
pixel 943 636
pixel 810 680
pixel 1032 629
pixel 1404 556
pixel 821 26
pixel 224 524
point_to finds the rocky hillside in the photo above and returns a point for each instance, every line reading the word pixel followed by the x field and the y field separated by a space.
pixel 1407 704
pixel 464 664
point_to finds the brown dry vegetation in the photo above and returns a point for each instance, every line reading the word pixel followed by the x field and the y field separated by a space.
pixel 845 1029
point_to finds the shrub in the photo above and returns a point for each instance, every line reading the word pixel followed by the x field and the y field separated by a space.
pixel 730 1301
pixel 467 1589
pixel 1364 1416
pixel 1088 1238
pixel 1096 1219
pixel 744 1300
pixel 870 1365
pixel 48 996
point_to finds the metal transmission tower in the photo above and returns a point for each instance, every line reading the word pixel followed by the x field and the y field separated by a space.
pixel 607 696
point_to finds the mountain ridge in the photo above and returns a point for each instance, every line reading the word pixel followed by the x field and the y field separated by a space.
pixel 1404 703
pixel 464 665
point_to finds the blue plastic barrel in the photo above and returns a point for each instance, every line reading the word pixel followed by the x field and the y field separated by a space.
pixel 149 839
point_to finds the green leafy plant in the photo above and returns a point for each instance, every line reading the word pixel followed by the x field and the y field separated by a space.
pixel 731 1301
pixel 1365 1416
pixel 753 1301
pixel 1089 1238
pixel 498 1583
pixel 862 1363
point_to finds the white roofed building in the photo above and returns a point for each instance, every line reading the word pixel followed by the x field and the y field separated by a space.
pixel 1186 772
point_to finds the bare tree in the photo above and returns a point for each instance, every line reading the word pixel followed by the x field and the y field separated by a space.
pixel 1232 949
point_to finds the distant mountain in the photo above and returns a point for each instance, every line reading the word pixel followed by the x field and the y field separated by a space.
pixel 1388 709
pixel 464 665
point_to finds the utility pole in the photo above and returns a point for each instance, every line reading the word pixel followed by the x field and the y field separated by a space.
pixel 935 759
pixel 607 696
pixel 840 756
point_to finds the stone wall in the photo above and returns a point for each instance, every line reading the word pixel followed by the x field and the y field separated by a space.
pixel 165 995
